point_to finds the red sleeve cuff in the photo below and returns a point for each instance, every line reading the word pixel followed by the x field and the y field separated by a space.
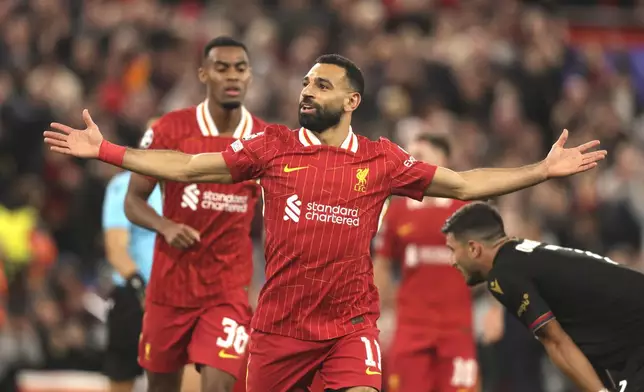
pixel 231 160
pixel 425 179
pixel 541 321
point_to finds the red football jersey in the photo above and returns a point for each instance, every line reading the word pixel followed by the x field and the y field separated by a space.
pixel 322 208
pixel 433 296
pixel 221 262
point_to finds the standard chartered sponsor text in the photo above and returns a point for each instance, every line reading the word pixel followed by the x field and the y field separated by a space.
pixel 332 214
pixel 224 202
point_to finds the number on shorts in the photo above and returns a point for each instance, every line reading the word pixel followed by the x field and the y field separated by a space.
pixel 622 385
pixel 370 361
pixel 236 336
pixel 465 371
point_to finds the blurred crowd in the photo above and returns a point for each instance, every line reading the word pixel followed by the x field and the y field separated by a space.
pixel 499 77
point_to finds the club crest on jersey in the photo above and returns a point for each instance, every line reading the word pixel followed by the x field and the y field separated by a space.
pixel 252 136
pixel 361 176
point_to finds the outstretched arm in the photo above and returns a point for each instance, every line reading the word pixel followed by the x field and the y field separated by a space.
pixel 485 183
pixel 174 165
pixel 166 165
pixel 565 354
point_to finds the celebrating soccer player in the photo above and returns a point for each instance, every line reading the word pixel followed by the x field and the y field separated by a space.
pixel 324 189
pixel 585 308
pixel 197 307
pixel 433 349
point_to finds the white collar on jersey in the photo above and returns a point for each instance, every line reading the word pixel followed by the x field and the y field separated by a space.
pixel 308 138
pixel 208 127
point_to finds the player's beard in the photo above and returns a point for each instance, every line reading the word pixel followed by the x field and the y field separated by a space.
pixel 321 120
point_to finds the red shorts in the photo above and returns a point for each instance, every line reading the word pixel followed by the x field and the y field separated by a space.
pixel 282 364
pixel 448 365
pixel 214 336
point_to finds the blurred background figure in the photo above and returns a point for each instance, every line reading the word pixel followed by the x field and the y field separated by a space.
pixel 433 349
pixel 129 249
pixel 499 78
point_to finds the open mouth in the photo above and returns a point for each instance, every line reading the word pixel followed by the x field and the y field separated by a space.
pixel 232 91
pixel 307 108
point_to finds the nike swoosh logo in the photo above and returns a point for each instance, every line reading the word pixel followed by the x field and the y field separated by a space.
pixel 371 372
pixel 292 169
pixel 223 354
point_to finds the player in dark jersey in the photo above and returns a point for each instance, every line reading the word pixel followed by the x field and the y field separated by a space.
pixel 324 190
pixel 197 307
pixel 587 311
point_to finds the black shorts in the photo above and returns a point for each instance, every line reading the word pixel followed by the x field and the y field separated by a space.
pixel 124 321
pixel 631 383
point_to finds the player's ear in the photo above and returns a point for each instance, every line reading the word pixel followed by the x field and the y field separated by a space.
pixel 474 249
pixel 352 102
pixel 201 73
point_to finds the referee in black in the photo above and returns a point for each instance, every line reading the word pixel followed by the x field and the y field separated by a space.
pixel 586 310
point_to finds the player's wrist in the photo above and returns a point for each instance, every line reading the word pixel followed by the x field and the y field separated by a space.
pixel 136 281
pixel 543 170
pixel 164 225
pixel 111 153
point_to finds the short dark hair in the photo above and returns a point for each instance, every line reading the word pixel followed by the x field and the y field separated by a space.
pixel 437 141
pixel 354 74
pixel 223 41
pixel 476 220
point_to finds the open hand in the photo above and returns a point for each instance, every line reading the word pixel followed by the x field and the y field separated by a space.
pixel 79 143
pixel 562 162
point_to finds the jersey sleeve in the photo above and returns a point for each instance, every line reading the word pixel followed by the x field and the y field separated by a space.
pixel 521 298
pixel 409 177
pixel 247 158
pixel 114 204
pixel 158 136
pixel 386 237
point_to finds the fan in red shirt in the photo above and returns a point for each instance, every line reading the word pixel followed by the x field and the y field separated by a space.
pixel 433 349
pixel 324 190
pixel 197 308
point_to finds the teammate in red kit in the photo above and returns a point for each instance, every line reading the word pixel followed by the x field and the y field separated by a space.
pixel 433 349
pixel 324 190
pixel 197 307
